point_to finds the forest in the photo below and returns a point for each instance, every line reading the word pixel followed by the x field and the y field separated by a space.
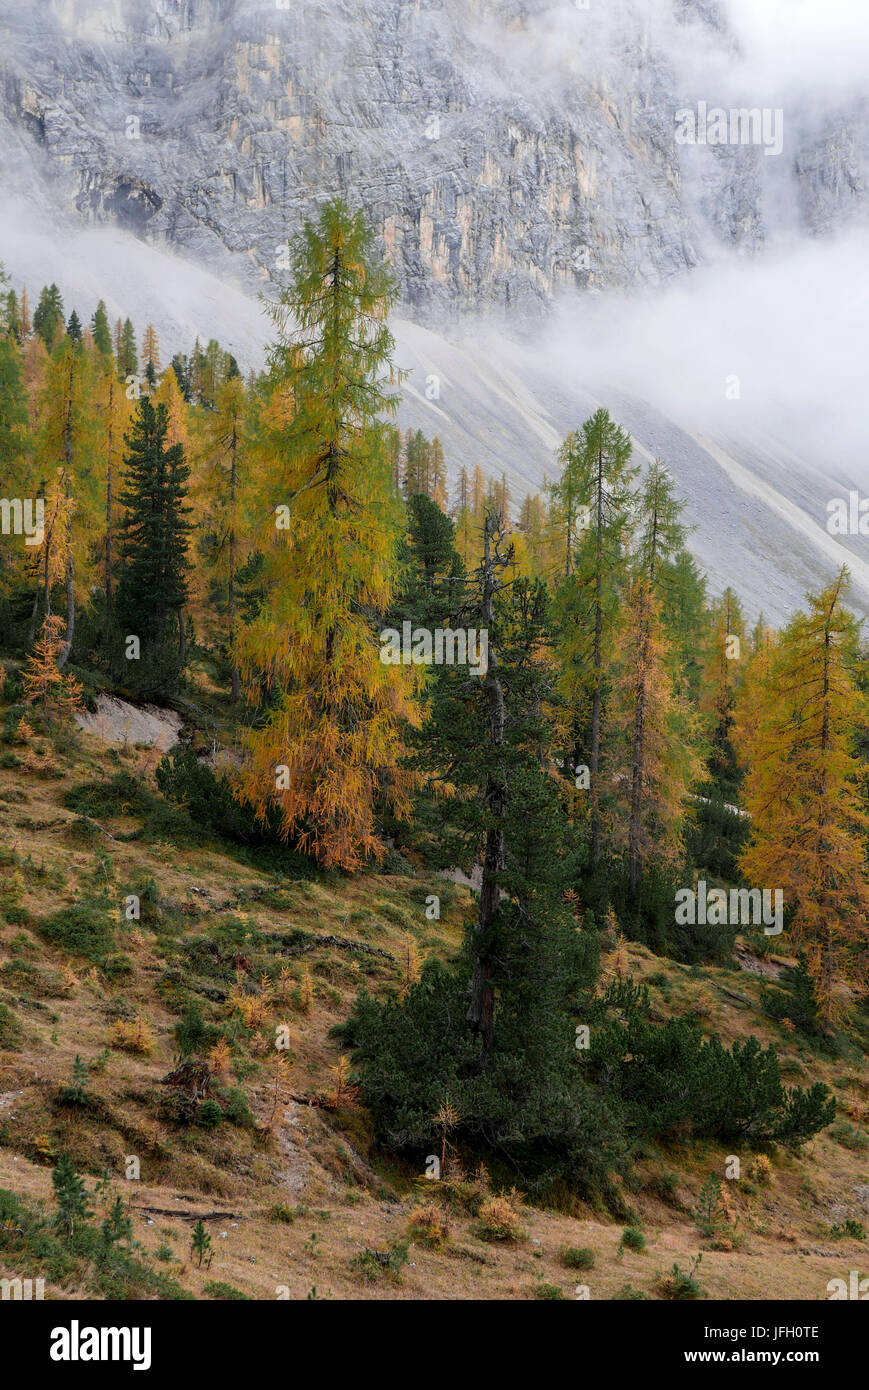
pixel 381 671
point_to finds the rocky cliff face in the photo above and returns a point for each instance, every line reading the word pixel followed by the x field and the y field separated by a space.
pixel 504 150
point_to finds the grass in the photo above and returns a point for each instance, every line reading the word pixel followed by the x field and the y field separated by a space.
pixel 70 968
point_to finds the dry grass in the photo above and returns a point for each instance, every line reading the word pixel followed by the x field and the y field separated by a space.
pixel 317 1164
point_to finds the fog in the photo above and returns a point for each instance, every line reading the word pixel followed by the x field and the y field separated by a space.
pixel 766 337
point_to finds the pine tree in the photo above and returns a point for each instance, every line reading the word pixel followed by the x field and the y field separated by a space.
pixel 13 408
pixel 152 585
pixel 71 1196
pixel 48 315
pixel 117 1225
pixel 336 725
pixel 181 368
pixel 100 329
pixel 13 464
pixel 722 676
pixel 201 1242
pixel 804 788
pixel 12 316
pixel 73 328
pixel 125 350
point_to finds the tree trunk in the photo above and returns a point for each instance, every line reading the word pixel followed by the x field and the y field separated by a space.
pixel 182 640
pixel 63 656
pixel 635 858
pixel 108 584
pixel 597 663
pixel 230 597
pixel 481 1006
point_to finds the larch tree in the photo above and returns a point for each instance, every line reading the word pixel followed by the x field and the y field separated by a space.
pixel 805 790
pixel 113 413
pixel 331 744
pixel 594 501
pixel 67 440
pixel 224 478
pixel 651 761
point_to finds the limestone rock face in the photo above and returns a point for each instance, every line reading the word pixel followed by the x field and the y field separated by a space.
pixel 505 149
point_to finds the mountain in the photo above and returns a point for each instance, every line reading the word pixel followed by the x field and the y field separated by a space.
pixel 519 162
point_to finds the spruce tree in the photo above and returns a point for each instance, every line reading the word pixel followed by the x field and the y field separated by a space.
pixel 100 330
pixel 125 349
pixel 152 583
pixel 48 315
pixel 71 1196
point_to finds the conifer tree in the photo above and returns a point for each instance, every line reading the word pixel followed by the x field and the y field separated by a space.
pixel 151 349
pixel 67 440
pixel 48 315
pixel 804 790
pixel 152 584
pixel 13 407
pixel 42 679
pixel 12 316
pixel 100 330
pixel 114 411
pixel 722 676
pixel 652 764
pixel 126 357
pixel 24 318
pixel 71 1196
pixel 336 725
pixel 594 500
pixel 225 478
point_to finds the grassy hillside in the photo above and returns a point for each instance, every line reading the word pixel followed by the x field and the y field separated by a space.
pixel 272 1148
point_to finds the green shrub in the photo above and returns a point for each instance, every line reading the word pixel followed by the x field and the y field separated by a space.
pixel 849 1136
pixel 85 929
pixel 577 1257
pixel 798 1002
pixel 633 1239
pixel 852 1228
pixel 76 1255
pixel 209 1114
pixel 548 1292
pixel 670 1079
pixel 215 1288
pixel 207 798
pixel 10 1031
pixel 236 1108
pixel 680 1284
pixel 373 1264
